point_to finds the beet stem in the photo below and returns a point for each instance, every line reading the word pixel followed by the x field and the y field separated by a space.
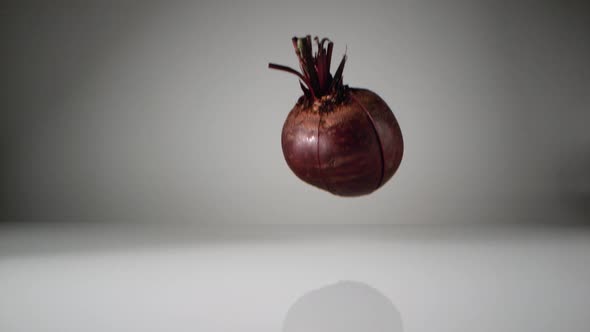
pixel 315 68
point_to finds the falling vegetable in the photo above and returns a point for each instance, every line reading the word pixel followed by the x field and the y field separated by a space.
pixel 340 139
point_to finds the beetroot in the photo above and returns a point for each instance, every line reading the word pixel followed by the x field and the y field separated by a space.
pixel 340 139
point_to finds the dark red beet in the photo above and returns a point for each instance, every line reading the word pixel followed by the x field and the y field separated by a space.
pixel 340 139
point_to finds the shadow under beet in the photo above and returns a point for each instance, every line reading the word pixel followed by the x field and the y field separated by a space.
pixel 347 306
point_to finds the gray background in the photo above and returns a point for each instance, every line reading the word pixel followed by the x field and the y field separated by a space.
pixel 153 111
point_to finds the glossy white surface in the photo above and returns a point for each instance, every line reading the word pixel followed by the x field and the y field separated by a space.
pixel 454 279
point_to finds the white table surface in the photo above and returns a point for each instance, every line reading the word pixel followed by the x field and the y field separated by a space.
pixel 180 278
